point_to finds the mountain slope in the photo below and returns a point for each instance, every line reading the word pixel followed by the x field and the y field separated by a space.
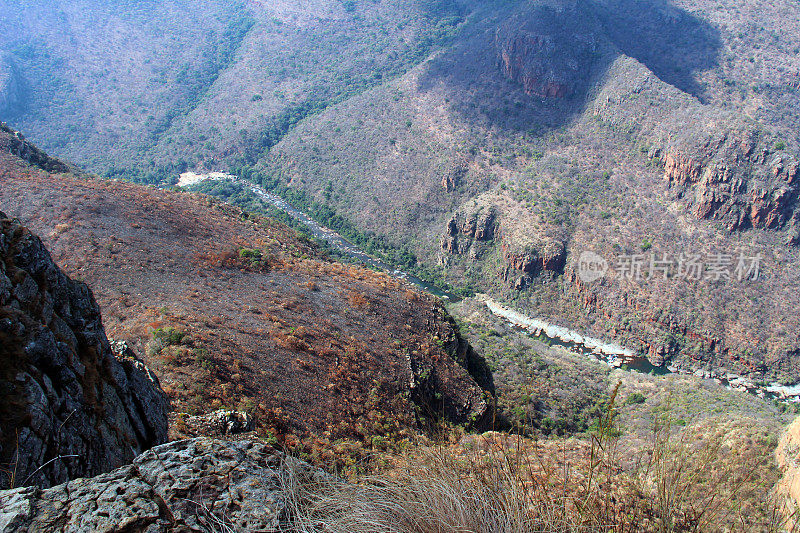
pixel 554 128
pixel 237 311
pixel 138 92
pixel 498 141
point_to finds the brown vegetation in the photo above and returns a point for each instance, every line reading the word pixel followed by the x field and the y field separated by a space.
pixel 700 478
pixel 236 311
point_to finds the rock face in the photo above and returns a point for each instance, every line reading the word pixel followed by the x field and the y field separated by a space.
pixel 453 178
pixel 69 407
pixel 190 485
pixel 475 228
pixel 456 390
pixel 547 257
pixel 733 179
pixel 467 226
pixel 548 49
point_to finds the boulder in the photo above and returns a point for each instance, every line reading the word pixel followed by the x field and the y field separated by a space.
pixel 220 423
pixel 189 485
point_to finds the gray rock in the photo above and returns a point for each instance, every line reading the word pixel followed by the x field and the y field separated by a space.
pixel 190 485
pixel 219 423
pixel 68 407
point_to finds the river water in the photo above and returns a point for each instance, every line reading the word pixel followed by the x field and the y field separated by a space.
pixel 335 240
pixel 595 349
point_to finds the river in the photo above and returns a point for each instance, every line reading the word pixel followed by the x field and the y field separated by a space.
pixel 596 349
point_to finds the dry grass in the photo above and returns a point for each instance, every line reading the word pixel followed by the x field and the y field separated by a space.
pixel 685 479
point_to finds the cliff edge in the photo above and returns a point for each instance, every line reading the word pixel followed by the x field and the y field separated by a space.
pixel 68 407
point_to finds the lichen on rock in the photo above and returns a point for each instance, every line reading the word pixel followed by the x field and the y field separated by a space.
pixel 189 485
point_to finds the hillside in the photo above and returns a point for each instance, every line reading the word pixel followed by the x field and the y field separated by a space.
pixel 700 472
pixel 236 311
pixel 138 92
pixel 582 181
pixel 497 141
pixel 626 129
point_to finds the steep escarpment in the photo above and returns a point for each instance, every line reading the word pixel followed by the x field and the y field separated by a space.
pixel 621 127
pixel 651 176
pixel 718 164
pixel 482 231
pixel 238 312
pixel 549 49
pixel 69 407
pixel 734 178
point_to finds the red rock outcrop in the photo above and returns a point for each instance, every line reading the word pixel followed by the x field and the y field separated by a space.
pixel 736 183
pixel 548 49
pixel 467 226
pixel 472 228
pixel 515 61
pixel 547 257
pixel 681 169
pixel 453 178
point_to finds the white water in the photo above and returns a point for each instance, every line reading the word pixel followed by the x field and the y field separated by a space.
pixel 617 354
pixel 608 352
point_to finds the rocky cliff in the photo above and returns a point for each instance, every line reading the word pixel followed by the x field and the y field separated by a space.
pixel 548 49
pixel 475 230
pixel 305 346
pixel 734 178
pixel 69 407
pixel 14 142
pixel 467 226
pixel 189 485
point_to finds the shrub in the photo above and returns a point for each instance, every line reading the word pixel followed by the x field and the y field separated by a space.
pixel 163 337
pixel 249 253
pixel 169 336
pixel 635 398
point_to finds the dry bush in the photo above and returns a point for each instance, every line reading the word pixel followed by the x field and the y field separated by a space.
pixel 357 299
pixel 61 228
pixel 412 296
pixel 438 492
pixel 689 480
pixel 288 340
pixel 310 285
